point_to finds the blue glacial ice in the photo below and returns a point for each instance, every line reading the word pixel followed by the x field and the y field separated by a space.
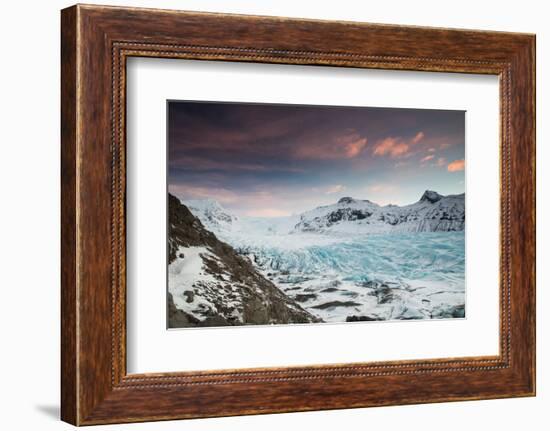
pixel 365 277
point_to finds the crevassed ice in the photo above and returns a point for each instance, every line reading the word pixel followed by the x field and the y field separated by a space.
pixel 341 276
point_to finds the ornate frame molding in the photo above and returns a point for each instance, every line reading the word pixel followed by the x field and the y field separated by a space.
pixel 96 41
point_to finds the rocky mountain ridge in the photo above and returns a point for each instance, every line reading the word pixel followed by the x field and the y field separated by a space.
pixel 209 284
pixel 432 213
pixel 212 215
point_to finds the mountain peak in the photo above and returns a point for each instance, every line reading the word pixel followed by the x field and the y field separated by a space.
pixel 431 196
pixel 346 200
pixel 210 213
pixel 206 203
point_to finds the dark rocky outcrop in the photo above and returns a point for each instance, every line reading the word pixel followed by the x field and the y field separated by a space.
pixel 333 304
pixel 431 196
pixel 363 318
pixel 304 297
pixel 449 312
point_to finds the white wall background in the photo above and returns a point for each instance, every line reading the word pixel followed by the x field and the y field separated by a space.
pixel 29 214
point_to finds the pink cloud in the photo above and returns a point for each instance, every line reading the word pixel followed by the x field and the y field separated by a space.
pixel 427 158
pixel 419 136
pixel 456 165
pixel 396 147
pixel 391 146
pixel 341 147
pixel 337 188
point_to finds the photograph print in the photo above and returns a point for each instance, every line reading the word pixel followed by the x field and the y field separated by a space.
pixel 290 214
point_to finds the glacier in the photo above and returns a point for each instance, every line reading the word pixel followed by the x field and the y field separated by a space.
pixel 340 268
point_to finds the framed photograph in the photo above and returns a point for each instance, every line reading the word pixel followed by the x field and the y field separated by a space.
pixel 261 229
pixel 267 215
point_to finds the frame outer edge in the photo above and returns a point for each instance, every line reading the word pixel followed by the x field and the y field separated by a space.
pixel 87 397
pixel 69 201
pixel 532 101
pixel 533 53
pixel 523 201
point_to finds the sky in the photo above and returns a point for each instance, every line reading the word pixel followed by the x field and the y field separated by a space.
pixel 270 160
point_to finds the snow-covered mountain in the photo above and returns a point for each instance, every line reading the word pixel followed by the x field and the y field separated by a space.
pixel 432 213
pixel 212 215
pixel 209 284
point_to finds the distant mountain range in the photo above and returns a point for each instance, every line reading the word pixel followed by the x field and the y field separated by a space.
pixel 432 213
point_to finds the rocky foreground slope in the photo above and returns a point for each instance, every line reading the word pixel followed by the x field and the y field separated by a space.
pixel 209 284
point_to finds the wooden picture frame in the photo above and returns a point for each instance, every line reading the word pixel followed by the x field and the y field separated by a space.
pixel 96 41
